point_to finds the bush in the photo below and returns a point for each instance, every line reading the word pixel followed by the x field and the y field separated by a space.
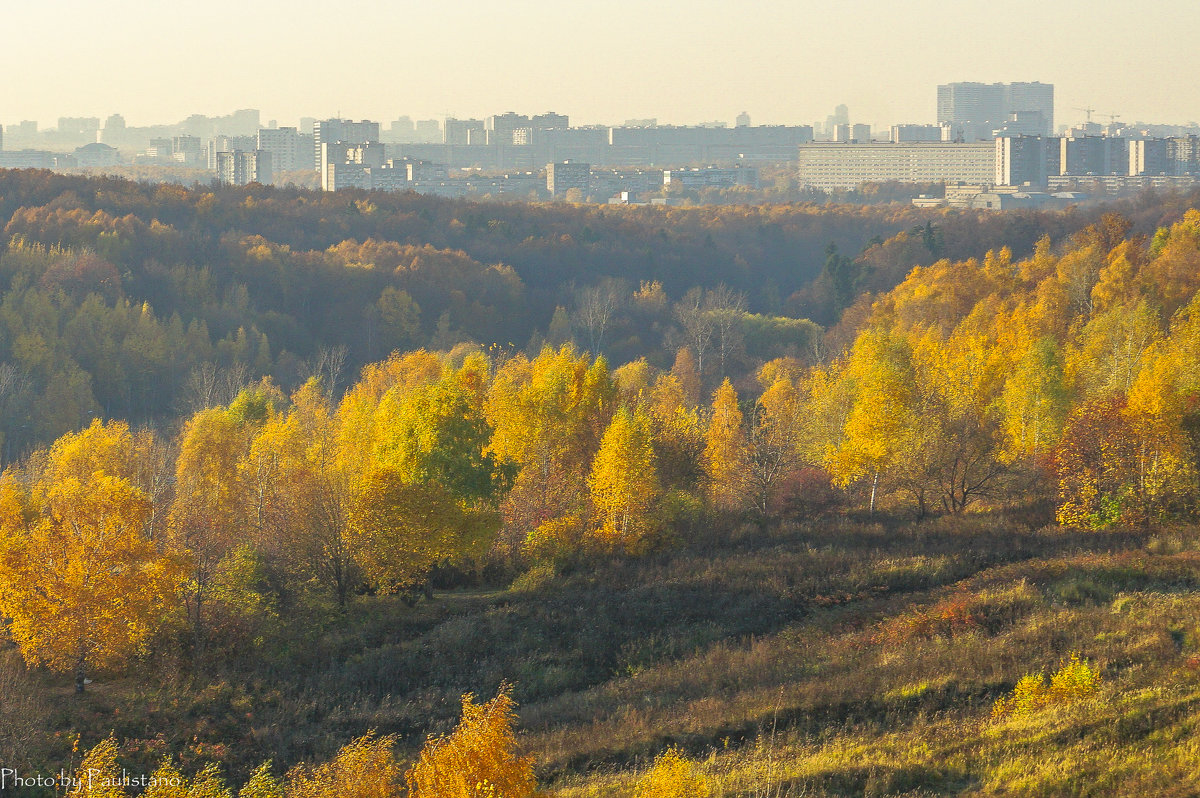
pixel 672 776
pixel 478 759
pixel 1075 680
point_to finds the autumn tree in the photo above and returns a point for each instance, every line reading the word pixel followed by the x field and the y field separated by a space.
pixel 82 584
pixel 479 758
pixel 624 483
pixel 99 774
pixel 262 784
pixel 776 437
pixel 435 486
pixel 881 434
pixel 726 454
pixel 206 518
pixel 548 416
pixel 1034 402
pixel 1094 464
pixel 364 768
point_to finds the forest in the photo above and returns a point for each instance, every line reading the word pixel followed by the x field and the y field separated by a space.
pixel 358 494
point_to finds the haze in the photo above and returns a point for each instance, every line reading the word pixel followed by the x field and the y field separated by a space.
pixel 682 61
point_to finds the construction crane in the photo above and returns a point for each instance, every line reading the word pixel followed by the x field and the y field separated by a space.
pixel 1087 111
pixel 1112 118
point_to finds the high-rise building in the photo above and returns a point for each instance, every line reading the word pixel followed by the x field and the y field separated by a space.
pixel 288 148
pixel 1026 159
pixel 219 144
pixel 550 121
pixel 428 131
pixel 564 176
pixel 343 163
pixel 401 131
pixel 187 150
pixel 1025 101
pixel 500 127
pixel 463 131
pixel 1093 155
pixel 239 168
pixel 1183 155
pixel 906 133
pixel 330 131
pixel 1148 157
pixel 975 110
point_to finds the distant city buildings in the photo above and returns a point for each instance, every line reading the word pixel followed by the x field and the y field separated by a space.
pixel 96 156
pixel 985 135
pixel 832 166
pixel 289 148
pixel 562 177
pixel 974 111
pixel 345 131
pixel 239 168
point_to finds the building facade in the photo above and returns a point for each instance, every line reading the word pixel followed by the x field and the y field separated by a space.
pixel 975 110
pixel 830 166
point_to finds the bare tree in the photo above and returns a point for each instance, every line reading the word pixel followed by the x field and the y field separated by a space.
pixel 596 306
pixel 210 385
pixel 14 391
pixel 327 365
pixel 23 715
pixel 726 307
pixel 698 325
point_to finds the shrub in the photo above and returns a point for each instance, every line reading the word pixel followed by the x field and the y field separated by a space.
pixel 478 759
pixel 1075 680
pixel 672 776
pixel 364 768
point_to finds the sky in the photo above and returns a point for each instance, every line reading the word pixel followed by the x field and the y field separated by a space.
pixel 680 61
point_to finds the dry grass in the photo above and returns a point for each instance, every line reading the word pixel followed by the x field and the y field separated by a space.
pixel 836 658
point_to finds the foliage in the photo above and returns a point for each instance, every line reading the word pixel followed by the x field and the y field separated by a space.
pixel 99 773
pixel 1074 681
pixel 82 584
pixel 478 759
pixel 624 484
pixel 363 768
pixel 672 776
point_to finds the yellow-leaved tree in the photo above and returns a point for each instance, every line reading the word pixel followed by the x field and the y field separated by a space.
pixel 168 782
pixel 99 774
pixel 777 436
pixel 364 768
pixel 262 784
pixel 80 581
pixel 478 759
pixel 726 453
pixel 624 484
pixel 433 491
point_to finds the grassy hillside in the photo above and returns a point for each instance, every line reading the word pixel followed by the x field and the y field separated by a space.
pixel 840 657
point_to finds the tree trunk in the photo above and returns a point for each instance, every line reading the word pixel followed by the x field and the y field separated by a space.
pixel 80 673
pixel 874 485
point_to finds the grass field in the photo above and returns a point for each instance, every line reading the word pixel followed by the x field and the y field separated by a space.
pixel 845 656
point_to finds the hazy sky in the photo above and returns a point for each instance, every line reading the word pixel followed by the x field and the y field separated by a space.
pixel 682 61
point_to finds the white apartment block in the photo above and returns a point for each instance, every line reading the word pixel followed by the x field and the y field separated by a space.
pixel 834 166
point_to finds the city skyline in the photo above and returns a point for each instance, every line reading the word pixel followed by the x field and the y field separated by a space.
pixel 787 63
